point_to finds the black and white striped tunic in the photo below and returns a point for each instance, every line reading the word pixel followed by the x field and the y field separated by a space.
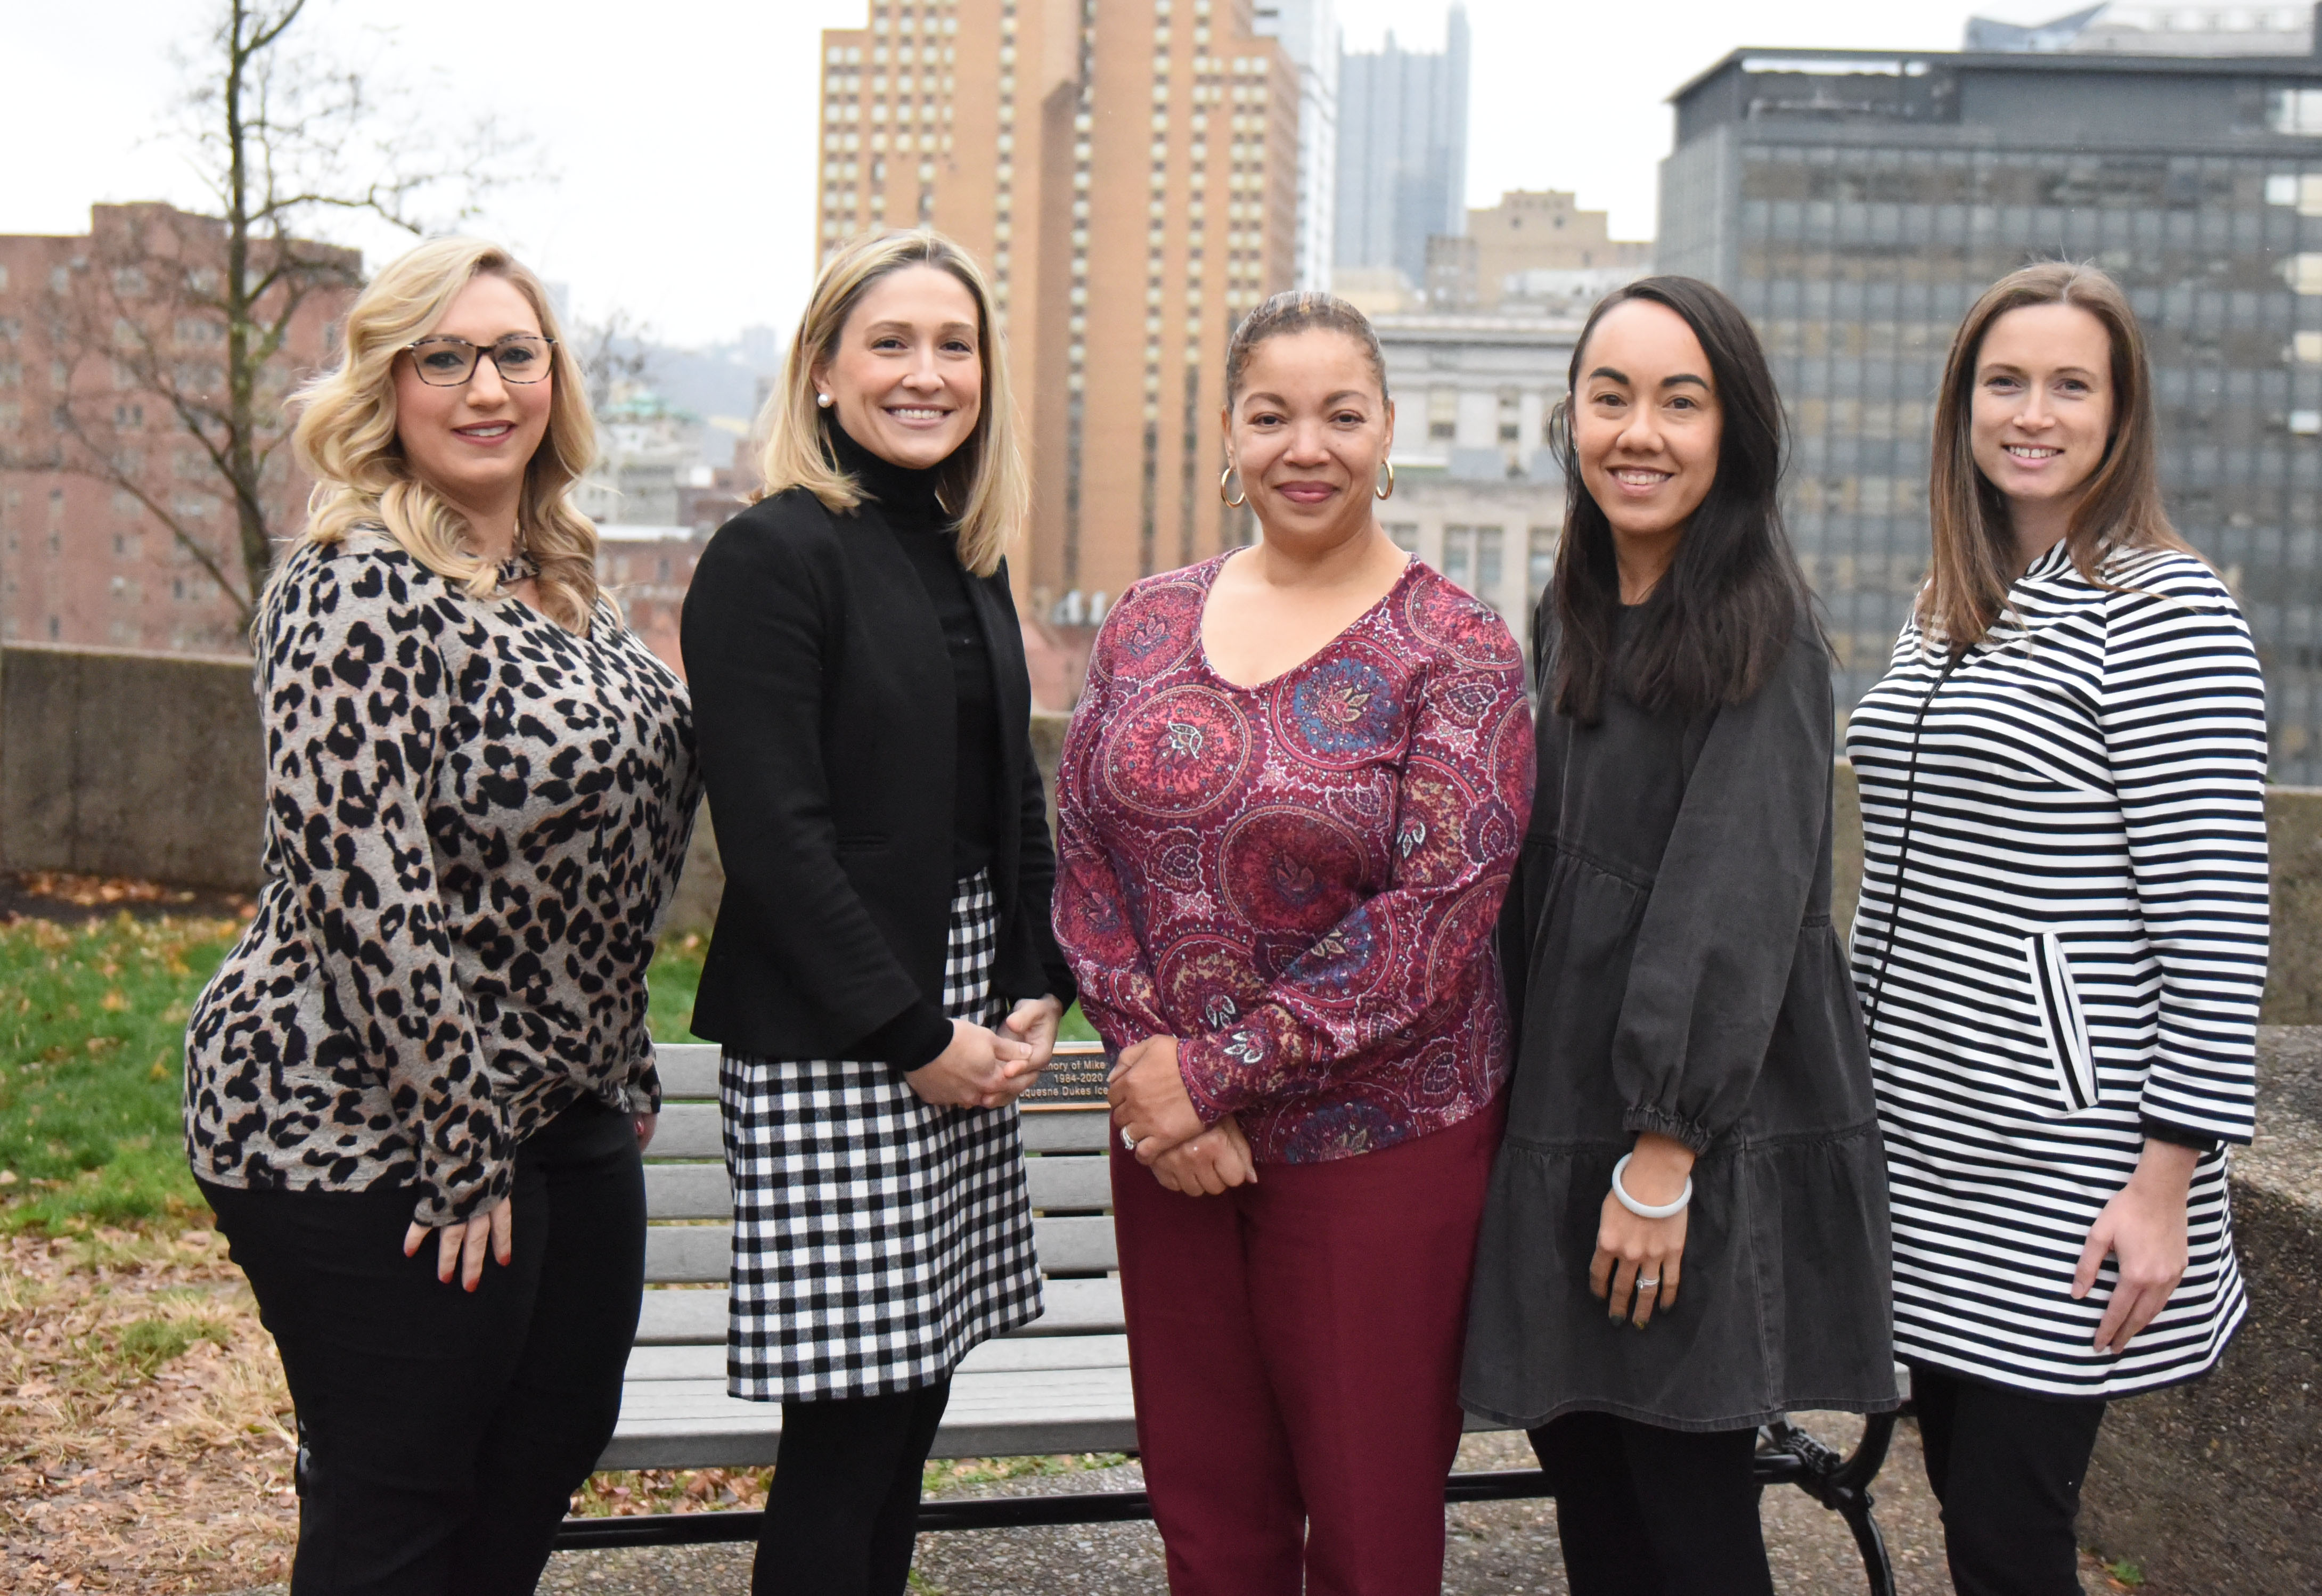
pixel 2076 950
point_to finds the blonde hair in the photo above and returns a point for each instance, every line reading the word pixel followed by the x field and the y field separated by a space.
pixel 983 484
pixel 1975 550
pixel 346 437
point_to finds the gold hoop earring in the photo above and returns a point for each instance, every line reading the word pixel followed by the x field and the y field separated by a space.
pixel 1388 491
pixel 1225 476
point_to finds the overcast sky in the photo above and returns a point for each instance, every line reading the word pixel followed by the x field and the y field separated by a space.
pixel 680 137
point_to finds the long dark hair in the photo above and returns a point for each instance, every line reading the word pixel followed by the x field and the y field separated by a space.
pixel 1718 622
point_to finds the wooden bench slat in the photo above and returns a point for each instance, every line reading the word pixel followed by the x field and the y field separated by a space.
pixel 688 1191
pixel 1073 1307
pixel 1067 1130
pixel 1063 1180
pixel 686 1130
pixel 687 1069
pixel 1010 1354
pixel 694 1424
pixel 701 1254
pixel 700 1191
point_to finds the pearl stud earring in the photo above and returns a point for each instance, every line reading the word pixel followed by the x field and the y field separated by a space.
pixel 823 400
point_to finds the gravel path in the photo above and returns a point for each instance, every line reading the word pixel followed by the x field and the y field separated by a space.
pixel 1497 1549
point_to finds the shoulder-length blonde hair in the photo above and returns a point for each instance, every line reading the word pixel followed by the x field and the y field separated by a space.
pixel 346 436
pixel 983 484
pixel 1975 550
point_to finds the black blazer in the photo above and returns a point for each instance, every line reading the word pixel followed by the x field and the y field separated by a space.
pixel 825 715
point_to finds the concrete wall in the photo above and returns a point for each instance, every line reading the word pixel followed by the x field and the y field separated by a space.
pixel 130 764
pixel 2216 1486
pixel 149 765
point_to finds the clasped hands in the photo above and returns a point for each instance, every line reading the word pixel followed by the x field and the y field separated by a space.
pixel 1151 1105
pixel 983 1069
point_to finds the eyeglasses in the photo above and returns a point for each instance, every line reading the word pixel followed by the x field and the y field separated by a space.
pixel 448 363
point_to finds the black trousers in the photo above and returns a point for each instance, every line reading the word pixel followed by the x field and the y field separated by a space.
pixel 442 1434
pixel 841 1515
pixel 2006 1467
pixel 1645 1512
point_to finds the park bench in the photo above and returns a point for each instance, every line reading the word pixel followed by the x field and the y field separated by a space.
pixel 1059 1385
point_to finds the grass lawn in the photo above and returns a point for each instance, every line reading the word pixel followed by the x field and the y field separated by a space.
pixel 91 1037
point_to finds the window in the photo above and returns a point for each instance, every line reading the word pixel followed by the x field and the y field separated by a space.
pixel 1473 557
pixel 1540 563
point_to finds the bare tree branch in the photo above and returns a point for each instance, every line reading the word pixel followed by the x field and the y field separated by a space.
pixel 195 316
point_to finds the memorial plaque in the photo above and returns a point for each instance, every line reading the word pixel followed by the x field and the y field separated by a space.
pixel 1074 1079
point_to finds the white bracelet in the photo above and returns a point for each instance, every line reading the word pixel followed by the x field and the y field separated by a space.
pixel 1647 1211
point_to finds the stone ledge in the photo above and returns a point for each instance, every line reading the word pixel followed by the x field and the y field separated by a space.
pixel 2216 1487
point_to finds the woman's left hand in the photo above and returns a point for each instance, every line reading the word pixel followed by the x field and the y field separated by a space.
pixel 2144 1225
pixel 1638 1260
pixel 1033 1021
pixel 1149 1100
pixel 645 1124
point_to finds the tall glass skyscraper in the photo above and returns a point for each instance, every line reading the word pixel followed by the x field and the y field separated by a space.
pixel 1856 203
pixel 1402 152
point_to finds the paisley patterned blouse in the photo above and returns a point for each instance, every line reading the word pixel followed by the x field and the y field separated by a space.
pixel 1299 881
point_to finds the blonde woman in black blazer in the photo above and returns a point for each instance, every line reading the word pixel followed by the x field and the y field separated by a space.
pixel 883 980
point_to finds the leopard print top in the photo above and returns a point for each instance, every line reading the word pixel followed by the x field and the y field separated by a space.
pixel 474 821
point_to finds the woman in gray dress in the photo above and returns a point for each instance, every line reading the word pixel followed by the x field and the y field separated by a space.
pixel 1691 1101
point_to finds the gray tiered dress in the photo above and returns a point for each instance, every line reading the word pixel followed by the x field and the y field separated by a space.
pixel 1671 958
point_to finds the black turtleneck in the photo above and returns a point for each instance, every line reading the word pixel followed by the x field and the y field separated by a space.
pixel 929 537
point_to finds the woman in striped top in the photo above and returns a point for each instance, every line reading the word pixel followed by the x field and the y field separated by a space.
pixel 2061 940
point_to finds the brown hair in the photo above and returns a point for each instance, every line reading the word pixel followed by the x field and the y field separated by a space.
pixel 1297 311
pixel 984 483
pixel 1975 550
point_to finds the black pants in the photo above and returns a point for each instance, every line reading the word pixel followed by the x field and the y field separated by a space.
pixel 1645 1512
pixel 842 1514
pixel 443 1433
pixel 2006 1467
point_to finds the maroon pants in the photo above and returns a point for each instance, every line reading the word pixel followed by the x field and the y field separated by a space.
pixel 1294 1346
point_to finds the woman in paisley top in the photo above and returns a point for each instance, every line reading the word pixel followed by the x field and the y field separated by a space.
pixel 1289 803
pixel 430 1042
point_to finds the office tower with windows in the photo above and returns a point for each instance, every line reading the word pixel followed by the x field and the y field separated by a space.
pixel 1309 31
pixel 1856 203
pixel 1128 171
pixel 1402 152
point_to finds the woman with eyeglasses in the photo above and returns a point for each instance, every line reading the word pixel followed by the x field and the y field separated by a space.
pixel 417 1089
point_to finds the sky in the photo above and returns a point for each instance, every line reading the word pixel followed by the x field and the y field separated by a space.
pixel 674 159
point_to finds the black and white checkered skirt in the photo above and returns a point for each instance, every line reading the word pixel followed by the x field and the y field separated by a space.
pixel 876 1237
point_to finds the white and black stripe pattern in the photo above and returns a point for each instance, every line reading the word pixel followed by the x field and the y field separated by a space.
pixel 2064 940
pixel 876 1237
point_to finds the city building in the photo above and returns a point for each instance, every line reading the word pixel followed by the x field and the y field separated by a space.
pixel 2156 30
pixel 101 336
pixel 1309 31
pixel 1856 203
pixel 1477 493
pixel 1104 158
pixel 1541 230
pixel 646 570
pixel 1402 152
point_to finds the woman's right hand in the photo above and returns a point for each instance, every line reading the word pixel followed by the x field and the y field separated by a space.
pixel 461 1245
pixel 1205 1166
pixel 971 1073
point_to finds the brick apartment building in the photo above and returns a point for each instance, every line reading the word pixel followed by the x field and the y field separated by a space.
pixel 85 322
pixel 1128 171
